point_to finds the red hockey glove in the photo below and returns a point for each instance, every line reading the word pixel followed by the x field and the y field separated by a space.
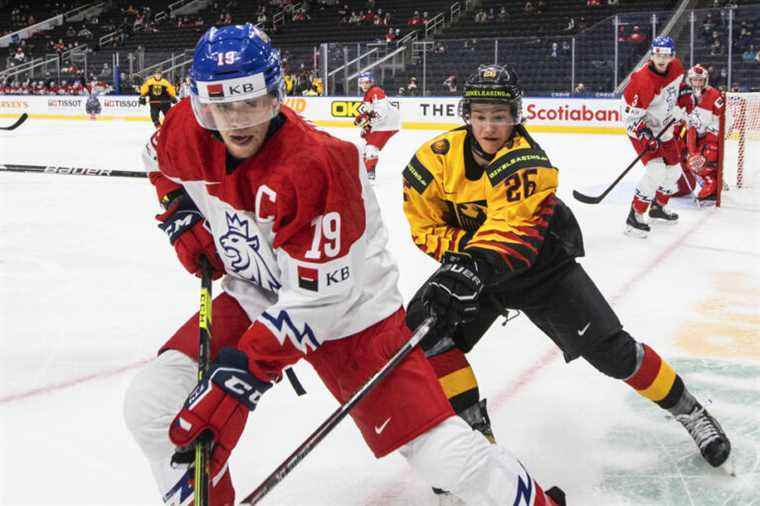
pixel 695 163
pixel 644 133
pixel 184 224
pixel 219 405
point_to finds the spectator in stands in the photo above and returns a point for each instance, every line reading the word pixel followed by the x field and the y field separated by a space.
pixel 529 8
pixel 450 84
pixel 415 20
pixel 748 56
pixel 716 48
pixel 106 70
pixel 411 87
pixel 440 48
pixel 19 56
pixel 84 33
pixel 555 50
pixel 70 31
pixel 387 19
pixel 390 36
pixel 570 25
pixel 491 15
pixel 593 3
pixel 744 39
pixel 300 15
pixel 344 11
pixel 131 11
pixel 480 16
pixel 503 15
pixel 401 91
pixel 580 89
pixel 707 28
pixel 262 18
pixel 637 37
pixel 355 19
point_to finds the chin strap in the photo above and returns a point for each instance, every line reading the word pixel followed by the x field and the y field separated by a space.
pixel 478 150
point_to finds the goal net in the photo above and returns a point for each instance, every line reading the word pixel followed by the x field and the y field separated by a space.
pixel 740 151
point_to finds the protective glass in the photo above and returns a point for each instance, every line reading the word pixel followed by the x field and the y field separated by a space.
pixel 477 115
pixel 236 115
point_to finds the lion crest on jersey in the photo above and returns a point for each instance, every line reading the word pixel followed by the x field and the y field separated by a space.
pixel 242 252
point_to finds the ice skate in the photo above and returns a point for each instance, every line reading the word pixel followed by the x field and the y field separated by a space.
pixel 658 212
pixel 708 434
pixel 636 226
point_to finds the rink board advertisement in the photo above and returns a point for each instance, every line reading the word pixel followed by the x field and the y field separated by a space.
pixel 568 115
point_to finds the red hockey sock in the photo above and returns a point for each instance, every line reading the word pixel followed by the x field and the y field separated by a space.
pixel 639 206
pixel 370 164
pixel 656 380
pixel 661 199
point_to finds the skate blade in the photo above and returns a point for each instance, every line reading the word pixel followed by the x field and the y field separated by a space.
pixel 728 467
pixel 661 221
pixel 635 232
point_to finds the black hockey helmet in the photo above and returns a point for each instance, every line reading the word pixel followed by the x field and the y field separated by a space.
pixel 493 84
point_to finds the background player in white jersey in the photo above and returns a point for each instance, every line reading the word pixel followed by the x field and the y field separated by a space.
pixel 378 119
pixel 298 237
pixel 702 136
pixel 654 96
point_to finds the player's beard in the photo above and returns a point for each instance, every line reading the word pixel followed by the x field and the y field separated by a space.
pixel 245 142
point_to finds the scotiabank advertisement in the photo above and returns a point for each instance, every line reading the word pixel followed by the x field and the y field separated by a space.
pixel 561 115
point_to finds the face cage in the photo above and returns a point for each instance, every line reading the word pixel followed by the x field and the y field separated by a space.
pixel 515 108
pixel 228 116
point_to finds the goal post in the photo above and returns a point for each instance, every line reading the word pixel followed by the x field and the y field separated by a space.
pixel 739 152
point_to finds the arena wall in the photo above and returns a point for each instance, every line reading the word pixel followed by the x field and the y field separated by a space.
pixel 562 115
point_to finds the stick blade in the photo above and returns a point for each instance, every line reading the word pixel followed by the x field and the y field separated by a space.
pixel 585 198
pixel 18 122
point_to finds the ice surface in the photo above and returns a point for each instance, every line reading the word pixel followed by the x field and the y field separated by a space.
pixel 90 288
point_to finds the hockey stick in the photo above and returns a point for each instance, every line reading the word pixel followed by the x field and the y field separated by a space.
pixel 202 445
pixel 328 425
pixel 70 171
pixel 586 199
pixel 18 122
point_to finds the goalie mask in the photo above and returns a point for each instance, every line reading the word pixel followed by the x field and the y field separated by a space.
pixel 493 84
pixel 698 78
pixel 236 78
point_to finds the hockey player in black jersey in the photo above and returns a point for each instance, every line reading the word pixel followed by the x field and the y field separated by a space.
pixel 481 199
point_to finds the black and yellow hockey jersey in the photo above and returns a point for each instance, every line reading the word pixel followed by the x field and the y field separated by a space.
pixel 502 211
pixel 158 90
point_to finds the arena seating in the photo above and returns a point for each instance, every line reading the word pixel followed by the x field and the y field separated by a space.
pixel 538 45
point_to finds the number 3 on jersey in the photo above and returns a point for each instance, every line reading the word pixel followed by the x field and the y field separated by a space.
pixel 326 236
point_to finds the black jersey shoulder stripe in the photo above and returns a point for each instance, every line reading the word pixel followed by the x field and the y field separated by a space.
pixel 506 165
pixel 417 175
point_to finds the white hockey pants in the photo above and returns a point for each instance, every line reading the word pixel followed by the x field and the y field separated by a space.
pixel 451 456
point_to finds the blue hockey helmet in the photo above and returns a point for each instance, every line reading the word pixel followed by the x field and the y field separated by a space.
pixel 236 78
pixel 663 45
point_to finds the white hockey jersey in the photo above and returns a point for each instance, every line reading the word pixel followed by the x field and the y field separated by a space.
pixel 299 226
pixel 384 116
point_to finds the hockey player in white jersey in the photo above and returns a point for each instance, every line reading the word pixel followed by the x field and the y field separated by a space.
pixel 297 236
pixel 379 120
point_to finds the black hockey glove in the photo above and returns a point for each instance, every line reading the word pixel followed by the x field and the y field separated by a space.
pixel 452 292
pixel 141 100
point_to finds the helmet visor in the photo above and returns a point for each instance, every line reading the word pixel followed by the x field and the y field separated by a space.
pixel 235 104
